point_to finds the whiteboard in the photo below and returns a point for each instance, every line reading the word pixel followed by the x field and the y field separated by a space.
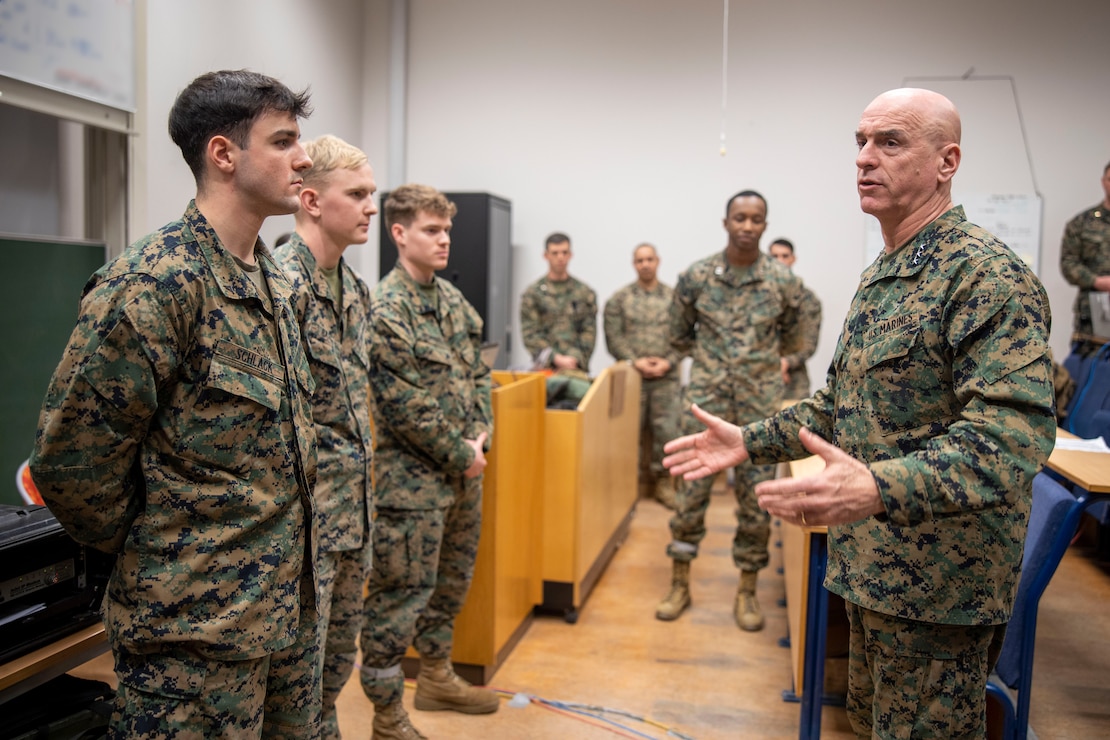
pixel 84 48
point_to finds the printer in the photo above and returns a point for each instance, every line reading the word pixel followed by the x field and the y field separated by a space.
pixel 50 586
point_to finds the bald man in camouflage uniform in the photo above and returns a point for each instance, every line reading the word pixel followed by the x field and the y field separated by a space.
pixel 433 417
pixel 1085 262
pixel 798 344
pixel 559 312
pixel 730 312
pixel 177 433
pixel 939 409
pixel 635 317
pixel 332 305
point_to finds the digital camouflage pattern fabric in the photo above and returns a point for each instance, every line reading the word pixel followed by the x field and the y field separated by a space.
pixel 1084 255
pixel 920 661
pixel 176 694
pixel 731 320
pixel 635 322
pixel 336 341
pixel 560 315
pixel 337 344
pixel 177 432
pixel 431 392
pixel 942 383
pixel 800 342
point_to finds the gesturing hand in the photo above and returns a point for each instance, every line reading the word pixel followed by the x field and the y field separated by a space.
pixel 719 446
pixel 845 491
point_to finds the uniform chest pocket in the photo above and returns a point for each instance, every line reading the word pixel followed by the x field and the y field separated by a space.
pixel 322 349
pixel 764 309
pixel 888 348
pixel 433 352
pixel 236 381
pixel 903 387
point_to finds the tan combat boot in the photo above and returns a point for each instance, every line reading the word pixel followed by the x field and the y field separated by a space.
pixel 391 722
pixel 439 687
pixel 678 598
pixel 664 491
pixel 746 610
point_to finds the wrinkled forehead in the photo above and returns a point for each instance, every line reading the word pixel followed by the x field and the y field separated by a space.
pixel 885 115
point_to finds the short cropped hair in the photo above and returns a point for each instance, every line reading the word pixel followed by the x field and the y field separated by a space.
pixel 227 103
pixel 784 242
pixel 555 237
pixel 746 194
pixel 402 205
pixel 1106 168
pixel 328 154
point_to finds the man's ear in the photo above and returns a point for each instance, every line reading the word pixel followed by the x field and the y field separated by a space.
pixel 397 231
pixel 222 153
pixel 310 202
pixel 949 162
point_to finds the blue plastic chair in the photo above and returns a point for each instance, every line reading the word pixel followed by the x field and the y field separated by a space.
pixel 1052 524
pixel 1088 412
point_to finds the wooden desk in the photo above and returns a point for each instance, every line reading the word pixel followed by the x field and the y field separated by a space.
pixel 36 668
pixel 506 584
pixel 1088 470
pixel 804 557
pixel 589 486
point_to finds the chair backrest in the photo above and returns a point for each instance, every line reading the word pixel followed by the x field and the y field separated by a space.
pixel 1088 413
pixel 1050 533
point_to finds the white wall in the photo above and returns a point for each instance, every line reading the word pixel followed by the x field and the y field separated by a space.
pixel 602 118
pixel 325 45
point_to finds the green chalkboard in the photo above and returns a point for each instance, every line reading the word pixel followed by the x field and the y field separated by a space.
pixel 40 290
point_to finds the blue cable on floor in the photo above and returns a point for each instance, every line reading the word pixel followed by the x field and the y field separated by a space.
pixel 596 712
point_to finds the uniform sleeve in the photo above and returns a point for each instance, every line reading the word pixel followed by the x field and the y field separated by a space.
pixel 1075 271
pixel 683 317
pixel 531 327
pixel 99 406
pixel 483 386
pixel 587 334
pixel 775 439
pixel 613 323
pixel 804 332
pixel 403 403
pixel 1002 377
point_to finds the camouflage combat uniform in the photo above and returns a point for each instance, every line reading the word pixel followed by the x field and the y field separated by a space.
pixel 731 321
pixel 942 383
pixel 431 392
pixel 560 315
pixel 635 326
pixel 1084 255
pixel 799 344
pixel 336 341
pixel 177 433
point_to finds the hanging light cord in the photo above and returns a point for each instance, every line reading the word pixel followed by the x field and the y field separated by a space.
pixel 724 78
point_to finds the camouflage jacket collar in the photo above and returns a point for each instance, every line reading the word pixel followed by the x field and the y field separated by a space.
pixel 317 282
pixel 419 300
pixel 913 256
pixel 737 276
pixel 546 283
pixel 233 284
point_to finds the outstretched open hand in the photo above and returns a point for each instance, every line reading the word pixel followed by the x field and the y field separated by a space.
pixel 719 446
